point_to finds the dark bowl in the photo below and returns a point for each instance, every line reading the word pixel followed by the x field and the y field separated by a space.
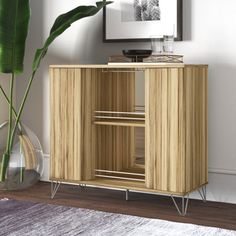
pixel 137 55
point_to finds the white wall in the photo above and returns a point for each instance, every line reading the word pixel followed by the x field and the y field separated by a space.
pixel 209 37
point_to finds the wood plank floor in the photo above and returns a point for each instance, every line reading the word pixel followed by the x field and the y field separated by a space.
pixel 145 205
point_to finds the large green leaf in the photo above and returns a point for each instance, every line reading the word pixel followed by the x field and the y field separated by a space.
pixel 62 23
pixel 14 21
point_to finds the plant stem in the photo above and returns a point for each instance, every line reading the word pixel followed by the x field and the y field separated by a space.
pixel 7 154
pixel 8 150
pixel 3 167
pixel 21 108
pixel 13 109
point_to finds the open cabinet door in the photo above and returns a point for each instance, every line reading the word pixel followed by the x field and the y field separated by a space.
pixel 165 137
pixel 66 125
pixel 176 128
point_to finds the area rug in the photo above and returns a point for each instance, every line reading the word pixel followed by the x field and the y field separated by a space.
pixel 27 218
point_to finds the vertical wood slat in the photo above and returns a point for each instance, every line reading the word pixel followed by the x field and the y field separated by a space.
pixel 182 130
pixel 65 104
pixel 189 121
pixel 87 129
pixel 176 128
pixel 164 131
pixel 149 121
pixel 174 162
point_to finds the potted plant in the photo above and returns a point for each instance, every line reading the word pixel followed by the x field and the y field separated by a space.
pixel 14 22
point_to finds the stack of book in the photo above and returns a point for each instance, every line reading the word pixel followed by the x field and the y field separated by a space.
pixel 155 58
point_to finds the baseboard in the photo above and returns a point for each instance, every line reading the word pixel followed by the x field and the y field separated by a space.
pixel 222 171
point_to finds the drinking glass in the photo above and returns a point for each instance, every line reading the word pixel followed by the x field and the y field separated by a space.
pixel 156 44
pixel 168 43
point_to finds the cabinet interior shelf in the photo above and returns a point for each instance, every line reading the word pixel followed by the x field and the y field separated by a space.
pixel 120 123
pixel 120 175
pixel 116 118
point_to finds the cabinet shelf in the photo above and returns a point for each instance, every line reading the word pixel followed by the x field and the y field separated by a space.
pixel 120 175
pixel 139 113
pixel 116 118
pixel 126 123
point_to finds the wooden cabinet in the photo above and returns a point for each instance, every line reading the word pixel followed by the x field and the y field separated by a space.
pixel 95 119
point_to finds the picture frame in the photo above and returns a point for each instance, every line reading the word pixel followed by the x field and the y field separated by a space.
pixel 128 21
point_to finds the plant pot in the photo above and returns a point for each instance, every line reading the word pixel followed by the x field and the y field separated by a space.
pixel 26 160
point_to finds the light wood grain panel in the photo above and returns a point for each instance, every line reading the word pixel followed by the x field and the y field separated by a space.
pixel 205 124
pixel 176 128
pixel 149 176
pixel 196 126
pixel 189 122
pixel 162 131
pixel 175 166
pixel 87 130
pixel 181 131
pixel 77 124
pixel 65 123
pixel 57 164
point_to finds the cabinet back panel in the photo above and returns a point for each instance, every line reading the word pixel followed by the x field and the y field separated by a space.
pixel 115 91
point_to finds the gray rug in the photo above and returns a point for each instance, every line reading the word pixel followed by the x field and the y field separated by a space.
pixel 27 218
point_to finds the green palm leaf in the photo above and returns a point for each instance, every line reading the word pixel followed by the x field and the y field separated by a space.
pixel 62 23
pixel 14 20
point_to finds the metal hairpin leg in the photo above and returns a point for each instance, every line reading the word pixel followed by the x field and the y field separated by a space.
pixel 54 187
pixel 82 186
pixel 202 191
pixel 127 195
pixel 184 205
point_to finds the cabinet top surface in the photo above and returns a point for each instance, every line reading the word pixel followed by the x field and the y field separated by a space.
pixel 129 65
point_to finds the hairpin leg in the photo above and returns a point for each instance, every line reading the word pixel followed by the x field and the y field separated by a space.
pixel 54 188
pixel 202 191
pixel 184 205
pixel 82 186
pixel 127 195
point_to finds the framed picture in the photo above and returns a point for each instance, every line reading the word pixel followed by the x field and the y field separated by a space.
pixel 139 20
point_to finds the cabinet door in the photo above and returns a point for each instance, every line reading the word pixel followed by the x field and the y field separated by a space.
pixel 165 163
pixel 176 128
pixel 65 99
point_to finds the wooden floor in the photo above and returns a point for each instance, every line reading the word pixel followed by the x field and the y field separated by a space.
pixel 145 205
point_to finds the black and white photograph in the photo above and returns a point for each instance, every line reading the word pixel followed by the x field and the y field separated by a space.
pixel 140 10
pixel 138 20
